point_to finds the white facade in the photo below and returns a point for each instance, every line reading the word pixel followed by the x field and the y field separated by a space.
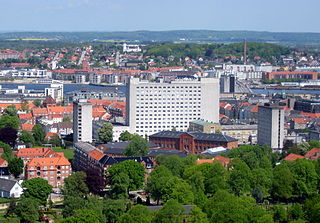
pixel 271 126
pixel 10 188
pixel 158 106
pixel 239 67
pixel 80 79
pixel 131 48
pixel 32 73
pixel 82 121
pixel 55 91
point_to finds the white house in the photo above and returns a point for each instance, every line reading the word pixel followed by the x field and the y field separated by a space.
pixel 10 188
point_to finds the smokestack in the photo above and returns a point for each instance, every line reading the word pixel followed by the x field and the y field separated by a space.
pixel 245 52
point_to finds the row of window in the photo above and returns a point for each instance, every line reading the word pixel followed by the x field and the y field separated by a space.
pixel 164 87
pixel 51 167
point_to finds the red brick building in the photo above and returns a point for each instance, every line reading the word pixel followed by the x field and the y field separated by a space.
pixel 291 75
pixel 52 169
pixel 192 142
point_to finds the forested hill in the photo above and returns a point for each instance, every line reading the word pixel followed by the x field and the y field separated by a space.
pixel 177 35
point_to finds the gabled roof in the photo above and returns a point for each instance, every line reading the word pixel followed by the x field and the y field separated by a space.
pixel 35 152
pixel 40 111
pixel 27 126
pixel 96 154
pixel 27 116
pixel 201 161
pixel 223 160
pixel 293 157
pixel 6 185
pixel 196 135
pixel 313 154
pixel 48 161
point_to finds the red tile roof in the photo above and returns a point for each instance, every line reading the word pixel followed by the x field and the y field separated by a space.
pixel 27 116
pixel 35 152
pixel 96 154
pixel 310 115
pixel 201 161
pixel 301 120
pixel 3 162
pixel 223 160
pixel 27 126
pixel 313 154
pixel 49 161
pixel 293 157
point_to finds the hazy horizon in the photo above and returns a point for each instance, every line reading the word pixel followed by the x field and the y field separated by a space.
pixel 125 15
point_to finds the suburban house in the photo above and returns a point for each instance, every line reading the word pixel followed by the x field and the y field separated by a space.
pixel 10 188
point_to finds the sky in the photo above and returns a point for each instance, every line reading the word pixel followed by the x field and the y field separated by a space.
pixel 130 15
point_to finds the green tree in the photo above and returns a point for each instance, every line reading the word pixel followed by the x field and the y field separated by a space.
pixel 282 182
pixel 137 147
pixel 120 185
pixel 75 185
pixel 174 163
pixel 295 212
pixel 312 209
pixel 10 110
pixel 71 204
pixel 7 151
pixel 279 213
pixel 38 134
pixel 137 214
pixel 83 216
pixel 306 177
pixel 207 177
pixel 133 169
pixel 113 209
pixel 105 133
pixel 15 166
pixel 66 119
pixel 157 181
pixel 262 179
pixel 177 189
pixel 9 121
pixel 171 212
pixel 240 177
pixel 55 141
pixel 37 103
pixel 225 207
pixel 197 216
pixel 25 106
pixel 27 138
pixel 37 189
pixel 28 210
pixel 126 136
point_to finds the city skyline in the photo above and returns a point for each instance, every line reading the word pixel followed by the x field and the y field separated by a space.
pixel 124 15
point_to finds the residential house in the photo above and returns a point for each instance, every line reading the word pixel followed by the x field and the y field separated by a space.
pixel 313 154
pixel 10 188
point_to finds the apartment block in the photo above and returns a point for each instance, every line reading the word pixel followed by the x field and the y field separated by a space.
pixel 158 106
pixel 271 126
pixel 82 121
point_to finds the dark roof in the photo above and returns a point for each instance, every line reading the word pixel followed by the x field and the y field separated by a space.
pixel 6 185
pixel 108 160
pixel 4 171
pixel 119 147
pixel 166 152
pixel 196 135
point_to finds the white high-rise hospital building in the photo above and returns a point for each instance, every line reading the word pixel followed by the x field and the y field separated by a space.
pixel 157 106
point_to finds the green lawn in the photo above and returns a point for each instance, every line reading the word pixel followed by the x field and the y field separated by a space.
pixel 68 153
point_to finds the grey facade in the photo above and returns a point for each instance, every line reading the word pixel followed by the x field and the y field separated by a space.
pixel 158 106
pixel 82 121
pixel 271 126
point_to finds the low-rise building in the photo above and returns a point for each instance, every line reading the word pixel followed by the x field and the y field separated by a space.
pixel 245 134
pixel 204 126
pixel 10 188
pixel 192 142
